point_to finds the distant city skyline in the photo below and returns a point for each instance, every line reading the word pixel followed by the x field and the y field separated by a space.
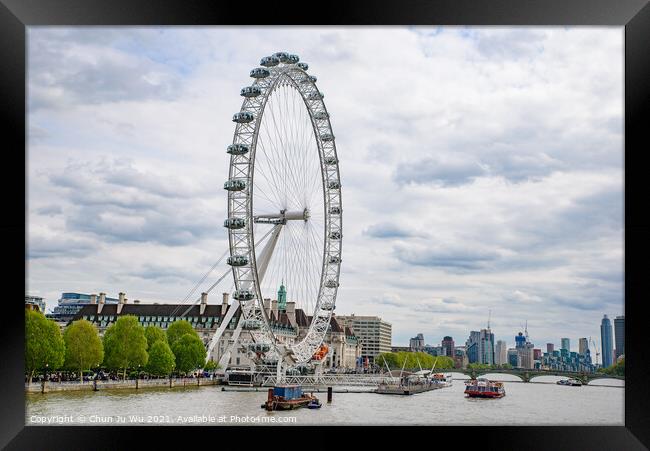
pixel 481 168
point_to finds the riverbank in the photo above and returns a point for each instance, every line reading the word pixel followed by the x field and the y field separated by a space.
pixel 46 387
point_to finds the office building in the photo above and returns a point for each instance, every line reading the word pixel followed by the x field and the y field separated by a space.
pixel 619 335
pixel 501 353
pixel 416 344
pixel 566 344
pixel 607 342
pixel 480 347
pixel 71 303
pixel 374 334
pixel 550 348
pixel 448 346
pixel 583 345
pixel 35 303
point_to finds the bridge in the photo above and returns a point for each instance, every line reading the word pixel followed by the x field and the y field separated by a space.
pixel 526 375
pixel 366 380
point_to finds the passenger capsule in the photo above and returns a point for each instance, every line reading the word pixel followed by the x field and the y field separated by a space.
pixel 243 295
pixel 334 185
pixel 260 72
pixel 282 56
pixel 331 160
pixel 335 210
pixel 269 61
pixel 327 137
pixel 309 79
pixel 331 283
pixel 237 260
pixel 250 91
pixel 327 305
pixel 316 95
pixel 237 149
pixel 303 66
pixel 251 324
pixel 321 115
pixel 259 347
pixel 234 223
pixel 335 235
pixel 293 59
pixel 243 117
pixel 234 185
pixel 335 259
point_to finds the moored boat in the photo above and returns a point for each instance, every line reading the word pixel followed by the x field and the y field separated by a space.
pixel 571 382
pixel 288 397
pixel 484 388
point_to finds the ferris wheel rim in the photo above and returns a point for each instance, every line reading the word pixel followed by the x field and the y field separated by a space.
pixel 252 111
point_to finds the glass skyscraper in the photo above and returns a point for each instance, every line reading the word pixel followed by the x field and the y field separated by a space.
pixel 566 344
pixel 619 335
pixel 606 341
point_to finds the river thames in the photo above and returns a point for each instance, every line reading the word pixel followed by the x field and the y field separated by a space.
pixel 600 403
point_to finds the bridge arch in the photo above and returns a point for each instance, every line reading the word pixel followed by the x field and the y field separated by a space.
pixel 503 377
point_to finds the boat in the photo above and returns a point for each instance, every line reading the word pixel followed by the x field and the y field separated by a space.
pixel 571 382
pixel 242 377
pixel 288 397
pixel 442 380
pixel 314 404
pixel 484 388
pixel 407 385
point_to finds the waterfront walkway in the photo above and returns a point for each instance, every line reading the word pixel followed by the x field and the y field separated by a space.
pixel 49 386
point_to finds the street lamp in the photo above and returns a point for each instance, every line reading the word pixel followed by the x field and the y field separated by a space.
pixel 46 370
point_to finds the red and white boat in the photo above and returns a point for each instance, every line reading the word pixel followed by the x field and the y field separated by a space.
pixel 483 388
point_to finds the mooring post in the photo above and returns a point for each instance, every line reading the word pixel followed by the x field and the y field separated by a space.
pixel 269 400
pixel 329 394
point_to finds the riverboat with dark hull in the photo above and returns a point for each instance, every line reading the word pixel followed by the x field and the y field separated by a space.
pixel 570 382
pixel 289 397
pixel 407 386
pixel 483 388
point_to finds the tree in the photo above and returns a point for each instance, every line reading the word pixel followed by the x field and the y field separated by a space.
pixel 125 344
pixel 414 360
pixel 161 359
pixel 211 365
pixel 44 345
pixel 154 334
pixel 83 347
pixel 177 329
pixel 189 352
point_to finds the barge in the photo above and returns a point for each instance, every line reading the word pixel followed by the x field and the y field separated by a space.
pixel 288 397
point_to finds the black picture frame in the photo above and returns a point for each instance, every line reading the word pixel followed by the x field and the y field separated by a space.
pixel 634 15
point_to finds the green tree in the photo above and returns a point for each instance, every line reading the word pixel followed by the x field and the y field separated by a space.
pixel 189 352
pixel 211 365
pixel 413 360
pixel 154 334
pixel 161 359
pixel 44 345
pixel 125 344
pixel 177 329
pixel 83 347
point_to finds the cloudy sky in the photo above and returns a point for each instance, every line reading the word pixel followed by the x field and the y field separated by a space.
pixel 482 168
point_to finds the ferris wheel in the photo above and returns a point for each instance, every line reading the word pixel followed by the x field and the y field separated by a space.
pixel 284 211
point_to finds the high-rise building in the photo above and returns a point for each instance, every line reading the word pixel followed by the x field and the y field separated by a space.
pixel 550 347
pixel 537 354
pixel 513 357
pixel 448 346
pixel 501 353
pixel 520 340
pixel 607 341
pixel 472 346
pixel 619 335
pixel 417 343
pixel 583 345
pixel 566 344
pixel 486 349
pixel 375 334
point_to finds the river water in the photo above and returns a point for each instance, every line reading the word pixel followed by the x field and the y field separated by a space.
pixel 600 403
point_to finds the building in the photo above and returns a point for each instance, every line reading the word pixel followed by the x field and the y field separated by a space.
pixel 583 345
pixel 289 326
pixel 564 360
pixel 400 349
pixel 480 347
pixel 619 335
pixel 374 334
pixel 472 346
pixel 501 353
pixel 416 344
pixel 71 303
pixel 566 344
pixel 607 342
pixel 448 346
pixel 460 357
pixel 513 357
pixel 35 303
pixel 525 353
pixel 550 347
pixel 537 354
